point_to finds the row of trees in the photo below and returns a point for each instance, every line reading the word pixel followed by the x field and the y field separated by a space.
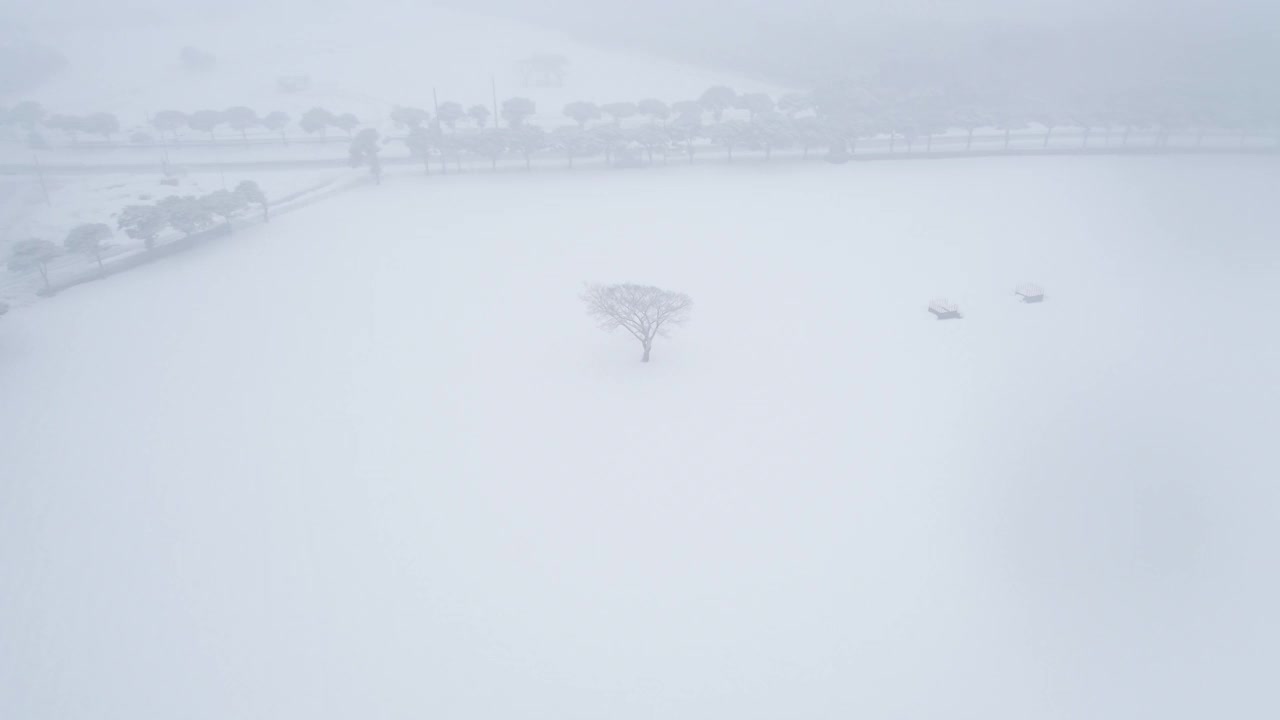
pixel 185 214
pixel 850 110
pixel 835 118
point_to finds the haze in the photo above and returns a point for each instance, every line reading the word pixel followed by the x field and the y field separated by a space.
pixel 504 360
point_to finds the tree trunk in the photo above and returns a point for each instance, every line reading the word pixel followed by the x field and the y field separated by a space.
pixel 266 212
pixel 44 275
pixel 645 357
pixel 494 164
pixel 1006 138
pixel 968 143
pixel 1047 134
pixel 99 259
pixel 928 143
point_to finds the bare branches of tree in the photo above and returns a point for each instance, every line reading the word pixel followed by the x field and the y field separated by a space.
pixel 642 310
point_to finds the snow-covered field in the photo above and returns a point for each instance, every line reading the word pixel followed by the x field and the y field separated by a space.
pixel 373 460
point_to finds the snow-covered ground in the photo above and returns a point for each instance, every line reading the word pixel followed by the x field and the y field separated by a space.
pixel 373 460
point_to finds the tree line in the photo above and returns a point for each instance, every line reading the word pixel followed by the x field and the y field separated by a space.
pixel 185 214
pixel 835 115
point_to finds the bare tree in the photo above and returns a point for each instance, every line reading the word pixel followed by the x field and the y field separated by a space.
pixel 642 310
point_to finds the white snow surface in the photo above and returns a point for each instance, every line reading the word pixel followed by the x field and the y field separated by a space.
pixel 373 460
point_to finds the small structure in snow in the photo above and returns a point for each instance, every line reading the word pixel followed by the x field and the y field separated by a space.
pixel 1030 293
pixel 944 310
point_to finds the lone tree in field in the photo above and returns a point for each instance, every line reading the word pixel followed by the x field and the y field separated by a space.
pixel 33 254
pixel 88 240
pixel 643 310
